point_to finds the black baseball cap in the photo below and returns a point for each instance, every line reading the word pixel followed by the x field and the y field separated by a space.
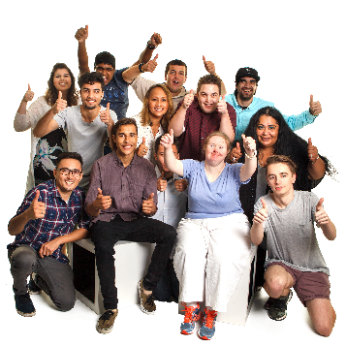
pixel 246 72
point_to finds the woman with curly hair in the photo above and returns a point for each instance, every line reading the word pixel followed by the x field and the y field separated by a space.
pixel 274 137
pixel 45 150
pixel 153 120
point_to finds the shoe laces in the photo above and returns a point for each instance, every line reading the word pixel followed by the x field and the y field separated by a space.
pixel 189 311
pixel 209 317
pixel 107 315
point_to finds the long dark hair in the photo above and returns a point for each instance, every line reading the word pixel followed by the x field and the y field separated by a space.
pixel 52 93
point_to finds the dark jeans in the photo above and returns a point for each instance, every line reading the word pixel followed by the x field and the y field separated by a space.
pixel 167 289
pixel 105 234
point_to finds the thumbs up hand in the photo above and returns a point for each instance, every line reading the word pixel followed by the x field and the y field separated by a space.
pixel 321 216
pixel 312 152
pixel 209 65
pixel 37 210
pixel 167 140
pixel 60 104
pixel 180 185
pixel 142 149
pixel 162 183
pixel 105 116
pixel 102 202
pixel 150 66
pixel 235 154
pixel 29 95
pixel 188 99
pixel 249 145
pixel 315 108
pixel 148 206
pixel 82 34
pixel 155 39
pixel 262 214
pixel 222 106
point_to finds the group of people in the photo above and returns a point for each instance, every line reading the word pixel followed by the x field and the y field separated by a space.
pixel 202 174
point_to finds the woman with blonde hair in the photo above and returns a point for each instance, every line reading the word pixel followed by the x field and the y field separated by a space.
pixel 153 120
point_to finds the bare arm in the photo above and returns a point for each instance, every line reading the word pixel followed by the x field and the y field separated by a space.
pixel 250 165
pixel 174 165
pixel 147 53
pixel 81 36
pixel 133 72
pixel 225 124
pixel 324 221
pixel 257 229
pixel 316 166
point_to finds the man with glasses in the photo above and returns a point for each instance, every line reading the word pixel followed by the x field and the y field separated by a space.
pixel 87 125
pixel 44 222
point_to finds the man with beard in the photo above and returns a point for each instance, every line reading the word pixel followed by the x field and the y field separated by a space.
pixel 87 125
pixel 246 105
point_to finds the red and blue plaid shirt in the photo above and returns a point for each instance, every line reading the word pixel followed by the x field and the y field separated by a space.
pixel 60 218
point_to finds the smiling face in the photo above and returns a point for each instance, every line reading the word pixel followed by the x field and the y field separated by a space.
pixel 215 150
pixel 67 182
pixel 280 179
pixel 267 131
pixel 175 78
pixel 91 95
pixel 62 79
pixel 208 97
pixel 125 140
pixel 246 88
pixel 158 103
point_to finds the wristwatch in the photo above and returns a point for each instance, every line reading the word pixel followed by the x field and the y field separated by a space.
pixel 150 46
pixel 140 67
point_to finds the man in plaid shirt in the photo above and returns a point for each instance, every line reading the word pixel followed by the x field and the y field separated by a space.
pixel 42 225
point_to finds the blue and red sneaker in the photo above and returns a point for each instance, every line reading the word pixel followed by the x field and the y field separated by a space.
pixel 207 330
pixel 192 315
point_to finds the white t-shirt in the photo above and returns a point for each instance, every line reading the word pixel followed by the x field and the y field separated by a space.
pixel 87 139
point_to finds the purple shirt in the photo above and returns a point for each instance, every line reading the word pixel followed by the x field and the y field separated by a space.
pixel 128 187
pixel 60 218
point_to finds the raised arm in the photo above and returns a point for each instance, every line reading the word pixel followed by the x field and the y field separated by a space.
pixel 81 36
pixel 250 165
pixel 316 166
pixel 225 125
pixel 21 120
pixel 174 165
pixel 147 53
pixel 210 68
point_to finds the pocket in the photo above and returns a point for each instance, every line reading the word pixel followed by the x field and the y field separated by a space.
pixel 305 229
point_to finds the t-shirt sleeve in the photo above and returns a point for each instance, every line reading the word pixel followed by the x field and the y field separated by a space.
pixel 118 76
pixel 314 199
pixel 60 118
pixel 141 85
pixel 189 167
pixel 236 167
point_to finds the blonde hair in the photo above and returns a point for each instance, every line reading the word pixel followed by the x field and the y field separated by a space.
pixel 216 134
pixel 145 113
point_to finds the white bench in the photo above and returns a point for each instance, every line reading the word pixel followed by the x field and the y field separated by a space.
pixel 131 263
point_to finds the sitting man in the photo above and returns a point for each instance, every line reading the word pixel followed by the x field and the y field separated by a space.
pixel 285 217
pixel 87 125
pixel 171 208
pixel 198 116
pixel 122 194
pixel 43 223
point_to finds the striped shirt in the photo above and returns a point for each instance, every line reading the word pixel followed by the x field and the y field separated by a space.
pixel 59 220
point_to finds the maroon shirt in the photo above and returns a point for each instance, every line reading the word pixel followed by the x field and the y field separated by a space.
pixel 128 187
pixel 198 126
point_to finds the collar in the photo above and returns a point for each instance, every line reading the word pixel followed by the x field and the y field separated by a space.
pixel 158 175
pixel 56 193
pixel 135 159
pixel 237 104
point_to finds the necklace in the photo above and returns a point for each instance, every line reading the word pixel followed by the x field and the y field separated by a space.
pixel 261 156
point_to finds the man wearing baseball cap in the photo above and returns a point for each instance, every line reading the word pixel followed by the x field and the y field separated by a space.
pixel 246 105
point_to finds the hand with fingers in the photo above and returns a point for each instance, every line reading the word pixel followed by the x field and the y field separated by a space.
pixel 29 95
pixel 262 214
pixel 47 249
pixel 312 152
pixel 235 154
pixel 81 34
pixel 142 150
pixel 105 116
pixel 249 145
pixel 60 104
pixel 155 39
pixel 102 202
pixel 222 106
pixel 209 65
pixel 37 210
pixel 162 183
pixel 188 99
pixel 180 185
pixel 321 216
pixel 150 66
pixel 315 108
pixel 148 205
pixel 167 140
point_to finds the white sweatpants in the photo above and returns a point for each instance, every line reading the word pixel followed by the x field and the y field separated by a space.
pixel 211 255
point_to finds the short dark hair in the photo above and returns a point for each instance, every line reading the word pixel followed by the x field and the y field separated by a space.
pixel 69 155
pixel 271 160
pixel 104 58
pixel 158 140
pixel 176 62
pixel 91 78
pixel 209 79
pixel 122 122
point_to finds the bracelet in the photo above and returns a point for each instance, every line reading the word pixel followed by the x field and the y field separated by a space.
pixel 254 155
pixel 150 46
pixel 318 156
pixel 140 67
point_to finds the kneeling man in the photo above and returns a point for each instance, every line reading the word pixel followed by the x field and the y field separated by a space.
pixel 43 223
pixel 122 195
pixel 295 260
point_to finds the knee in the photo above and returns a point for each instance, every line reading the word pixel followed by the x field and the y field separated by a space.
pixel 23 260
pixel 66 303
pixel 324 328
pixel 274 286
pixel 170 234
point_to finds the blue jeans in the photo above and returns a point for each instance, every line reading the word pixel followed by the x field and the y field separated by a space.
pixel 145 230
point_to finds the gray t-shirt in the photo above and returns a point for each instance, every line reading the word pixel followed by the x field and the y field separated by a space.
pixel 290 233
pixel 87 139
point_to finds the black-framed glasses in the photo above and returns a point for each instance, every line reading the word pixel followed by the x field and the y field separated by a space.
pixel 66 171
